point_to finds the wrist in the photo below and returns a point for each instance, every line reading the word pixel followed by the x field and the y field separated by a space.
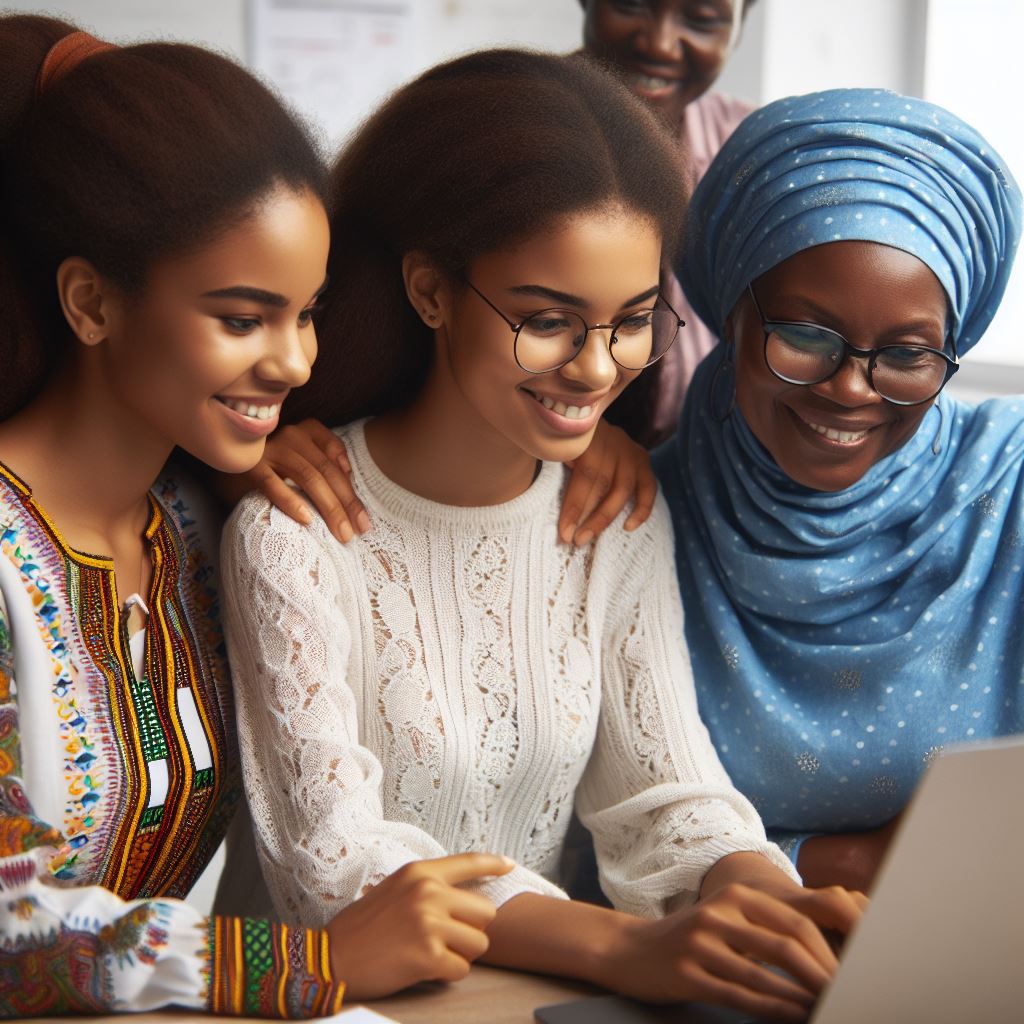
pixel 565 937
pixel 613 950
pixel 744 868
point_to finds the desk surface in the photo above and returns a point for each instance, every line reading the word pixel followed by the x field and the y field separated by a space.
pixel 488 996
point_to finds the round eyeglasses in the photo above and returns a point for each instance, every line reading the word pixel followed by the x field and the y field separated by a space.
pixel 550 338
pixel 804 353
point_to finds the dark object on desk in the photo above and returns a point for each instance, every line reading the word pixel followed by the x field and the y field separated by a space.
pixel 617 1010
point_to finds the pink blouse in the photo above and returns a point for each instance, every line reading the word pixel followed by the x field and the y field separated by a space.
pixel 707 123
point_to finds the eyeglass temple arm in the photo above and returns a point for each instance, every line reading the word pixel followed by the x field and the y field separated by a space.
pixel 671 309
pixel 511 323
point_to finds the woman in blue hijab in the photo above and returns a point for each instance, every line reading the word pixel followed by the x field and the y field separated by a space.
pixel 850 540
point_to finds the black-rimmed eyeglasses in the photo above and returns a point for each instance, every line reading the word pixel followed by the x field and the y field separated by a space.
pixel 550 338
pixel 805 353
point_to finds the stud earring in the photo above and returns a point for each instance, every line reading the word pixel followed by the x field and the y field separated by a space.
pixel 90 335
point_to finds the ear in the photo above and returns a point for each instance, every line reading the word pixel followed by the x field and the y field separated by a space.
pixel 426 288
pixel 737 319
pixel 85 299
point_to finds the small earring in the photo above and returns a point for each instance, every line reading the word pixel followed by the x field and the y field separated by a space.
pixel 90 335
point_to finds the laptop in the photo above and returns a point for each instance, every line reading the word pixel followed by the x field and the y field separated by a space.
pixel 943 939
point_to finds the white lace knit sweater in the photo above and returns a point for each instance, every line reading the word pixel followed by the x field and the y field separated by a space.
pixel 452 681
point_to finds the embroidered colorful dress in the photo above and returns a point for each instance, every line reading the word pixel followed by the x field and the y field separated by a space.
pixel 118 777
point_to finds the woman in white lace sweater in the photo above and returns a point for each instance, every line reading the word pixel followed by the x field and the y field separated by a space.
pixel 455 679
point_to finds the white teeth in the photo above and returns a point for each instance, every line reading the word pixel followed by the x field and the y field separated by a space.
pixel 842 436
pixel 570 412
pixel 254 412
pixel 651 82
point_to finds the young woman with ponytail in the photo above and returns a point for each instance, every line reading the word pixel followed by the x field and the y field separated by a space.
pixel 163 242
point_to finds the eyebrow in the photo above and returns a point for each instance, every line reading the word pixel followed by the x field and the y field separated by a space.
pixel 259 295
pixel 574 300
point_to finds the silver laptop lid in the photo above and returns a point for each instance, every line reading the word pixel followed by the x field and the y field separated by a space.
pixel 943 939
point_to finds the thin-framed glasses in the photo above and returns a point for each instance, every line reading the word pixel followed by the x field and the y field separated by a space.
pixel 550 338
pixel 805 353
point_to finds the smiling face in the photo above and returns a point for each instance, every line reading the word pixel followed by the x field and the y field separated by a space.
pixel 602 265
pixel 205 356
pixel 827 436
pixel 669 51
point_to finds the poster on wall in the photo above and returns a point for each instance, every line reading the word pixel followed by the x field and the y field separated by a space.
pixel 333 60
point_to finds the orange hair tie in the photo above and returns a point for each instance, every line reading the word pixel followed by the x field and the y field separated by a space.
pixel 65 55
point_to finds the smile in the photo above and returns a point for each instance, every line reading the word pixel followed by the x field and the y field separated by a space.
pixel 650 83
pixel 840 436
pixel 253 412
pixel 564 417
pixel 570 412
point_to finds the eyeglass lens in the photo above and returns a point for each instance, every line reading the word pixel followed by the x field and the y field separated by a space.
pixel 805 354
pixel 553 337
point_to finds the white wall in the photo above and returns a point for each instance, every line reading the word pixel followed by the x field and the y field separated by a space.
pixel 216 23
pixel 832 44
pixel 438 29
pixel 444 27
pixel 973 66
pixel 787 46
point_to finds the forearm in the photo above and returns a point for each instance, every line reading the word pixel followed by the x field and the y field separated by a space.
pixel 565 938
pixel 849 859
pixel 750 869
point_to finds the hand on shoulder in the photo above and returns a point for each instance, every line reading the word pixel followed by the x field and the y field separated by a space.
pixel 313 458
pixel 613 471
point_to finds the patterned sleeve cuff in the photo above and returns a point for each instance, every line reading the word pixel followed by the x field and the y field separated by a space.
pixel 260 969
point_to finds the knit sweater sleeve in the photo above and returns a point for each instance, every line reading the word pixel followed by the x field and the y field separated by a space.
pixel 655 796
pixel 81 949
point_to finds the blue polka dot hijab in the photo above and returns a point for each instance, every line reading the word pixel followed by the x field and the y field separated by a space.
pixel 858 164
pixel 840 640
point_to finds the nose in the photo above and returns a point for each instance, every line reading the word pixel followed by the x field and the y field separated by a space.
pixel 289 357
pixel 660 38
pixel 593 369
pixel 850 385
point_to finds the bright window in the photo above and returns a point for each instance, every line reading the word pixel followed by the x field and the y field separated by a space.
pixel 973 66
